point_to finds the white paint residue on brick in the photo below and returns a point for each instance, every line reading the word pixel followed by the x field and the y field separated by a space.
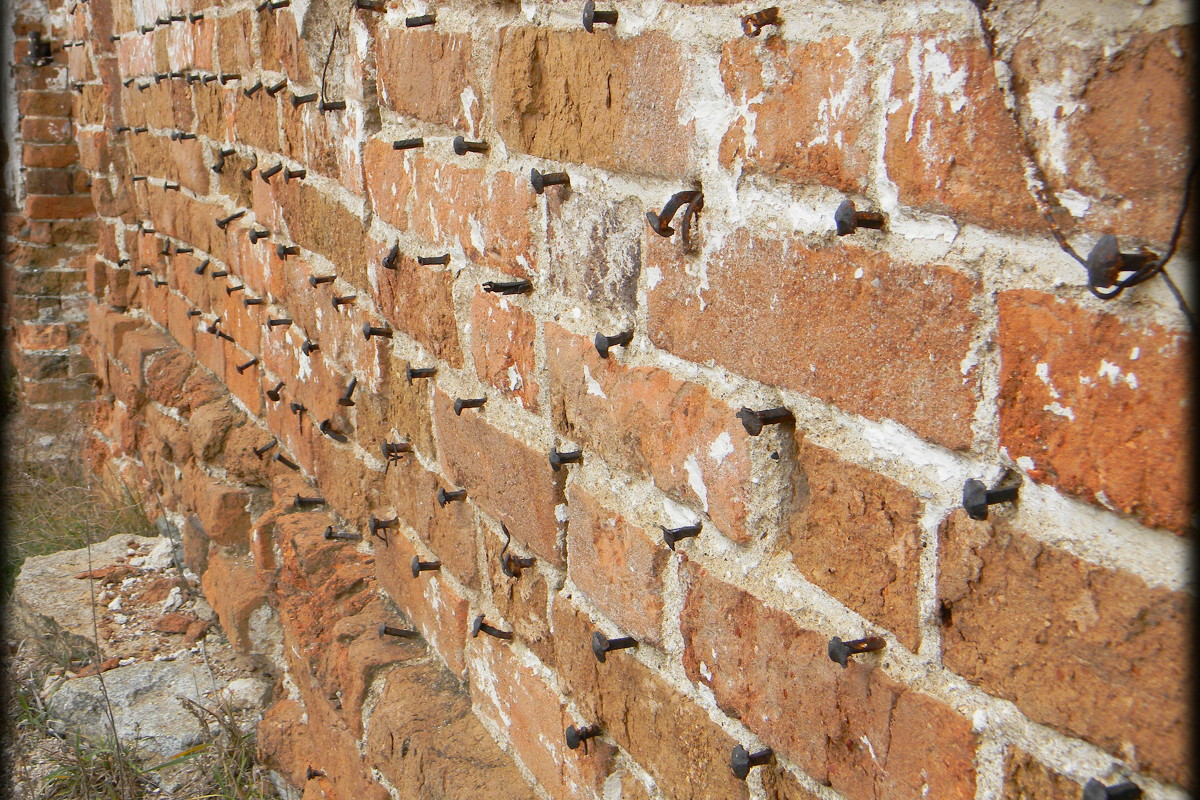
pixel 870 748
pixel 889 440
pixel 515 381
pixel 433 595
pixel 593 385
pixel 653 278
pixel 706 672
pixel 477 240
pixel 721 448
pixel 1113 373
pixel 1026 463
pixel 469 101
pixel 562 512
pixel 1058 409
pixel 1135 354
pixel 1074 202
pixel 1051 105
pixel 944 79
pixel 979 721
pixel 858 273
pixel 677 515
pixel 696 480
pixel 1042 370
pixel 481 669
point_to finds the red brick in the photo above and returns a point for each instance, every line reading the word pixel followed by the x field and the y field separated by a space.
pixel 646 422
pixel 44 104
pixel 1027 779
pixel 803 109
pixel 573 96
pixel 515 700
pixel 428 75
pixel 857 535
pixel 502 339
pixel 437 610
pixel 234 40
pixel 523 598
pixel 1124 147
pixel 322 224
pixel 282 48
pixel 880 345
pixel 31 336
pixel 256 120
pixel 1086 650
pixel 45 181
pixel 445 203
pixel 661 729
pixel 48 130
pixel 415 286
pixel 509 480
pixel 59 207
pixel 952 146
pixel 437 742
pixel 617 566
pixel 221 511
pixel 865 734
pixel 1099 406
pixel 236 590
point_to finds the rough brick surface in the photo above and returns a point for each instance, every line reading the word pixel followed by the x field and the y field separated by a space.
pixel 575 97
pixel 1098 406
pixel 504 476
pixel 837 724
pixel 803 107
pixel 952 146
pixel 650 424
pixel 666 732
pixel 872 335
pixel 857 535
pixel 1027 779
pixel 1076 646
pixel 616 565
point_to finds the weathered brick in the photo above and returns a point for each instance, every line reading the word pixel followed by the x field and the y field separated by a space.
pixel 873 335
pixel 436 745
pixel 804 107
pixel 59 207
pixel 428 75
pixel 1098 406
pixel 236 590
pixel 234 40
pixel 616 565
pixel 31 336
pixel 489 217
pixel 661 729
pixel 322 224
pixel 437 610
pixel 572 96
pixel 857 535
pixel 866 734
pixel 1113 133
pixel 48 130
pixel 514 699
pixel 952 146
pixel 509 480
pixel 595 251
pixel 646 422
pixel 1028 779
pixel 1086 650
pixel 414 286
pixel 47 104
pixel 502 339
pixel 522 599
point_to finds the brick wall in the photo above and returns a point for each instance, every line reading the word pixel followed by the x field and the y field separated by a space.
pixel 50 236
pixel 1026 654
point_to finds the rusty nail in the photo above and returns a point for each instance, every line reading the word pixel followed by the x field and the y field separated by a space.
pixel 408 144
pixel 417 22
pixel 243 367
pixel 262 451
pixel 273 394
pixel 479 626
pixel 345 400
pixel 593 17
pixel 429 261
pixel 558 458
pixel 753 421
pixel 370 330
pixel 419 566
pixel 977 497
pixel 847 219
pixel 470 402
pixel 602 645
pixel 444 497
pixel 541 180
pixel 741 760
pixel 672 535
pixel 462 146
pixel 840 651
pixel 521 286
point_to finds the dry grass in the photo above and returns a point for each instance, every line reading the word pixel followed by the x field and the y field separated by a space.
pixel 49 507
